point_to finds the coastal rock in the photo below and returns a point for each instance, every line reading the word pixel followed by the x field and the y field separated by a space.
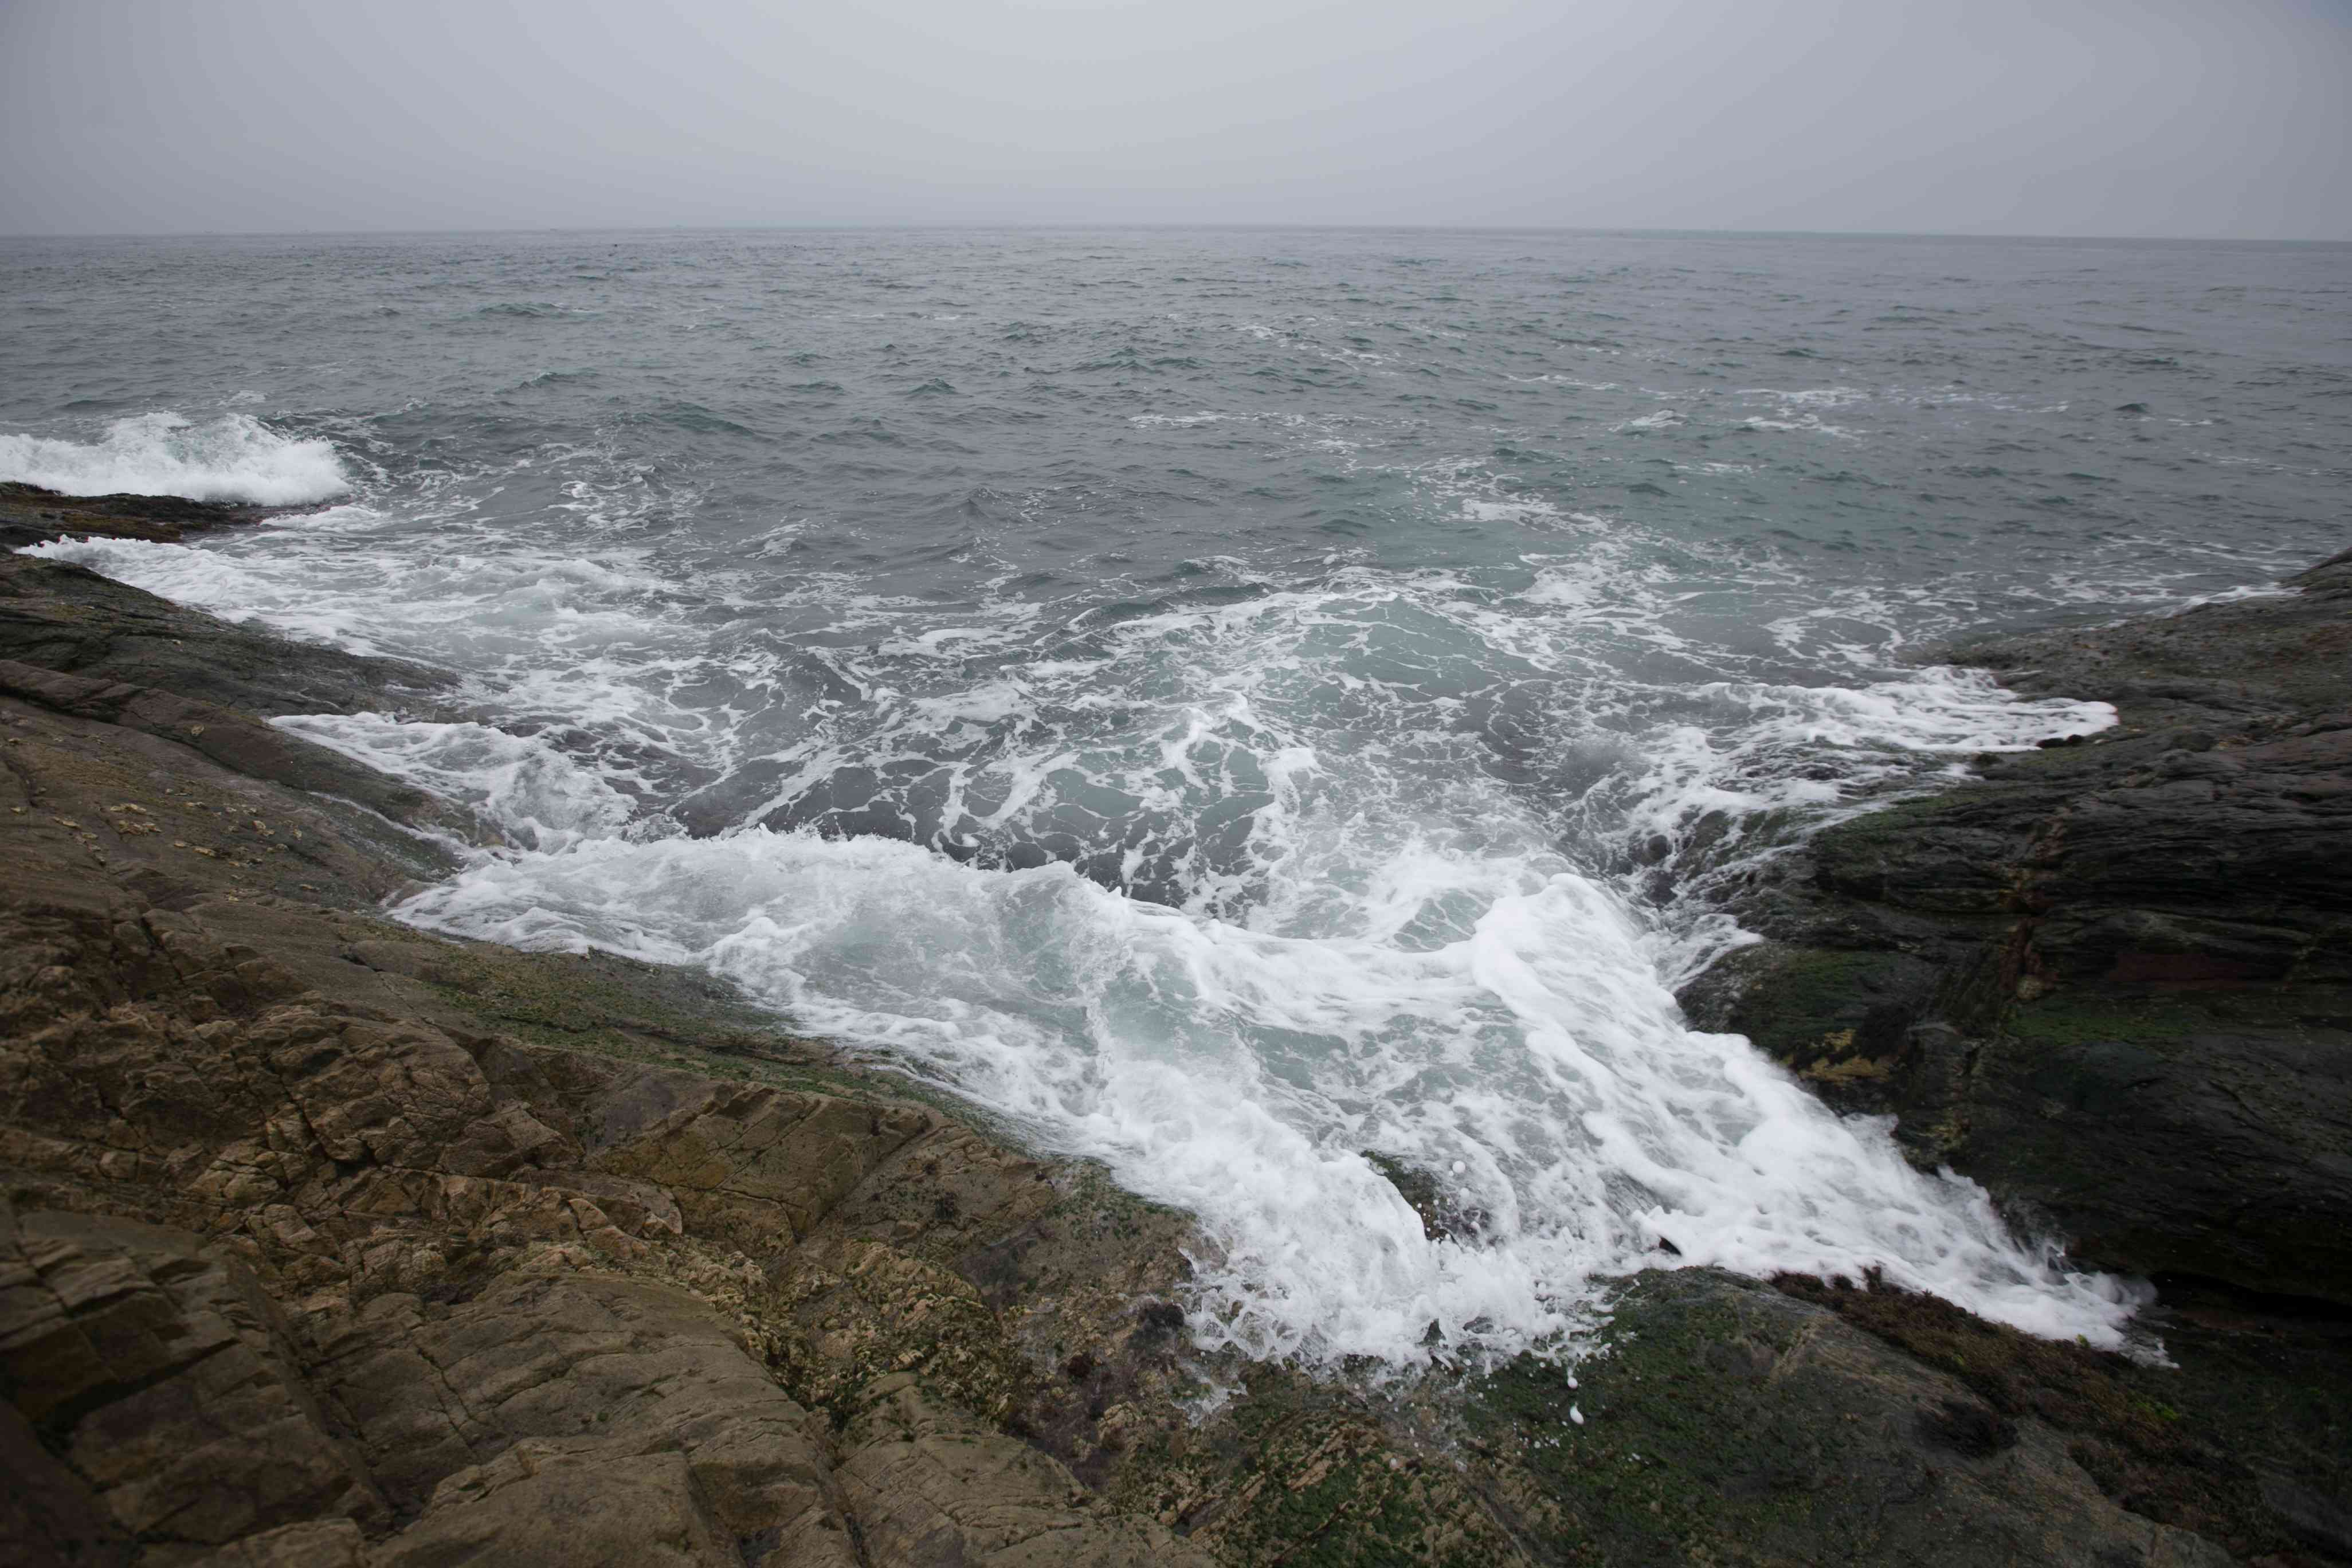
pixel 490 1417
pixel 2111 979
pixel 1725 1421
pixel 305 1263
pixel 237 741
pixel 930 1484
pixel 378 1278
pixel 69 620
pixel 30 515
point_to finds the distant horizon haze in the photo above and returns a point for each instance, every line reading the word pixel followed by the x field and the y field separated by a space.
pixel 2081 120
pixel 981 226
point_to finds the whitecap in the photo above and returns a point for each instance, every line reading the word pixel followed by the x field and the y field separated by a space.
pixel 235 457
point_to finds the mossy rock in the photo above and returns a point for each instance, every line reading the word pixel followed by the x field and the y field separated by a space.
pixel 1333 1491
pixel 2200 1446
pixel 1720 1421
pixel 1836 1017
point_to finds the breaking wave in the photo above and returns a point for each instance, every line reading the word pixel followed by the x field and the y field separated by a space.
pixel 235 457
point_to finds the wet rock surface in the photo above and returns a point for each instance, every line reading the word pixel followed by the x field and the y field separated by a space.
pixel 30 515
pixel 302 1258
pixel 66 621
pixel 1730 1422
pixel 2111 979
pixel 324 1241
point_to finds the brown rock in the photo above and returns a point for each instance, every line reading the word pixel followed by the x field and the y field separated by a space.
pixel 161 1377
pixel 929 1485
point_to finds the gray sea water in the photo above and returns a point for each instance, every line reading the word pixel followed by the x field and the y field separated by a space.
pixel 1226 700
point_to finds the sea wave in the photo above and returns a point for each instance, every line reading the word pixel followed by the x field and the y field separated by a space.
pixel 235 457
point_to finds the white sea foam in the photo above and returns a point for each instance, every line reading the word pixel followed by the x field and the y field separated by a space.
pixel 1320 918
pixel 539 797
pixel 1404 963
pixel 1239 1074
pixel 1801 421
pixel 1818 396
pixel 1748 761
pixel 579 638
pixel 235 457
pixel 1514 508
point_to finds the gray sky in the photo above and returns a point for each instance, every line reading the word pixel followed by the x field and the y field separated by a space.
pixel 2133 117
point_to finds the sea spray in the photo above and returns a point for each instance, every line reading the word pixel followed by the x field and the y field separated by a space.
pixel 235 457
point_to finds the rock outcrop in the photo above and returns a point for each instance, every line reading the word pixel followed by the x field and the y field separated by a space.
pixel 31 515
pixel 2111 979
pixel 328 1242
pixel 68 621
pixel 295 1276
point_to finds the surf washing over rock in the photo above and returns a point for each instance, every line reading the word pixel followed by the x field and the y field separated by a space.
pixel 1230 734
pixel 1389 955
pixel 232 457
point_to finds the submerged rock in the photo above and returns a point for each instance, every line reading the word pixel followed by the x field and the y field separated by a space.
pixel 1443 1216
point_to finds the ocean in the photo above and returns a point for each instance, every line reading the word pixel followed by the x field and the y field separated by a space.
pixel 1226 703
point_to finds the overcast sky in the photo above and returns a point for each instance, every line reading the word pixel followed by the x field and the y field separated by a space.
pixel 2078 117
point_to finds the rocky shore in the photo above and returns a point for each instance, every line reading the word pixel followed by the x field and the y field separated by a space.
pixel 325 1241
pixel 2112 979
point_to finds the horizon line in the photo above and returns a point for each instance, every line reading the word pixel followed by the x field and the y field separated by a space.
pixel 903 224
